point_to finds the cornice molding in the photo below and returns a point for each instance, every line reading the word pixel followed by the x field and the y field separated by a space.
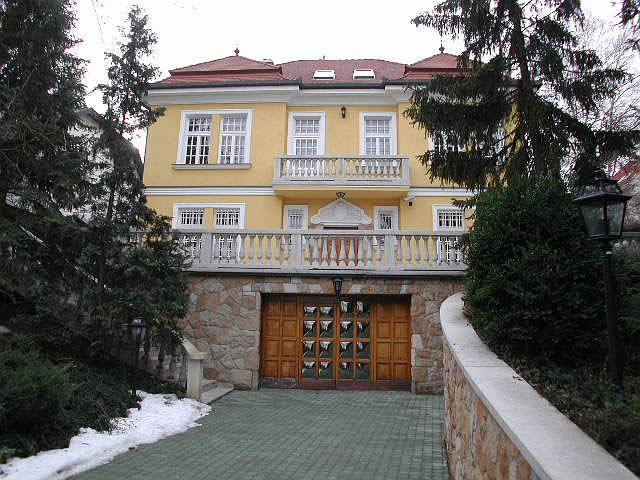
pixel 291 94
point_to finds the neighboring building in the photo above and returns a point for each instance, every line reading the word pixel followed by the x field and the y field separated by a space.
pixel 282 178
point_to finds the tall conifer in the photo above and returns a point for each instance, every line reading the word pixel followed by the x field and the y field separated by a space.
pixel 506 115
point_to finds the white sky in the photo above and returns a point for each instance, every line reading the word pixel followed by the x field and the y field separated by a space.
pixel 192 31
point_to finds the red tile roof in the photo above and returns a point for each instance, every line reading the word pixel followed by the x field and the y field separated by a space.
pixel 305 69
pixel 239 69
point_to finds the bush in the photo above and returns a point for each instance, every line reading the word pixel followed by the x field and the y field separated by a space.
pixel 45 399
pixel 533 285
pixel 35 399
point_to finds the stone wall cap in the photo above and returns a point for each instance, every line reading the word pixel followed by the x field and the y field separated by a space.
pixel 554 447
pixel 191 351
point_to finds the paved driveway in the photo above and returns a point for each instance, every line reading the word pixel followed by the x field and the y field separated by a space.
pixel 298 434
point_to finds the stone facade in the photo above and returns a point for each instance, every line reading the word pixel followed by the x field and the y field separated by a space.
pixel 224 320
pixel 477 447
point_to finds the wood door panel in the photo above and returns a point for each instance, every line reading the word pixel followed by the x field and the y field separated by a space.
pixel 379 355
pixel 290 328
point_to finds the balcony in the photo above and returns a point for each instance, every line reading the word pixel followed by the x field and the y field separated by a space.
pixel 342 171
pixel 325 251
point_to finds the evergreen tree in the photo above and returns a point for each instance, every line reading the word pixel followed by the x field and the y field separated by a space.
pixel 506 115
pixel 144 276
pixel 43 168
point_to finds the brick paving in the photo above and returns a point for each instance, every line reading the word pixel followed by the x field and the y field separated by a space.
pixel 298 434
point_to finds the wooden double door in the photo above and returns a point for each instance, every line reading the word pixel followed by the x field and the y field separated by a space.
pixel 360 342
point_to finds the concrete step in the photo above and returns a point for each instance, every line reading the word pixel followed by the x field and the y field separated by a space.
pixel 219 391
pixel 208 384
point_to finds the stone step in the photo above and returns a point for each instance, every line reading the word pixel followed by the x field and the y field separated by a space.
pixel 208 384
pixel 220 390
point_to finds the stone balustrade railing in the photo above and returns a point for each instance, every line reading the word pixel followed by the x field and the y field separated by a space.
pixel 341 170
pixel 180 365
pixel 324 250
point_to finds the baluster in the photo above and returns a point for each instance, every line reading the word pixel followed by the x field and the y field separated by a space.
pixel 284 244
pixel 276 251
pixel 315 244
pixel 269 259
pixel 250 259
pixel 325 254
pixel 343 254
pixel 241 250
pixel 380 248
pixel 259 238
pixel 399 249
pixel 409 256
pixel 360 252
pixel 394 166
pixel 369 251
pixel 418 247
pixel 385 168
pixel 307 250
pixel 333 255
pixel 352 247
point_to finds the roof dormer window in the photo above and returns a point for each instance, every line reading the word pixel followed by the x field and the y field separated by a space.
pixel 363 73
pixel 324 75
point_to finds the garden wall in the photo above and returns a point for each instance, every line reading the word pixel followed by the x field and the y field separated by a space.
pixel 496 424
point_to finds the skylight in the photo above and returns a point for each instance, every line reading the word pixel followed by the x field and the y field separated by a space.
pixel 363 73
pixel 324 74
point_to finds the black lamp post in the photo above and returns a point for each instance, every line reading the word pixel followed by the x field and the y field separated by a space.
pixel 137 329
pixel 603 206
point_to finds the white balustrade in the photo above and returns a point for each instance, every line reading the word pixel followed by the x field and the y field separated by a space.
pixel 291 169
pixel 323 250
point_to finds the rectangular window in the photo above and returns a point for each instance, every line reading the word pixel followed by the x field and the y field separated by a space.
pixel 449 218
pixel 197 140
pixel 233 139
pixel 306 134
pixel 295 217
pixel 227 218
pixel 191 217
pixel 378 135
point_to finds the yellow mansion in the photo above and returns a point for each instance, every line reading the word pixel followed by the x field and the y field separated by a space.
pixel 290 184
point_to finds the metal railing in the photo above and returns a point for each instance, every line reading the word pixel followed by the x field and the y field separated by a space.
pixel 341 170
pixel 324 250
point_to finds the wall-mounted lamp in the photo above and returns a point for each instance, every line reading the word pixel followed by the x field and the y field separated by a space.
pixel 337 286
pixel 343 111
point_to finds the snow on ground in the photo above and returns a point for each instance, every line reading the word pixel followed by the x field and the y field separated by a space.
pixel 159 416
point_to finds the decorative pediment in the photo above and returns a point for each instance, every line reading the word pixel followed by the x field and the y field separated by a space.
pixel 341 213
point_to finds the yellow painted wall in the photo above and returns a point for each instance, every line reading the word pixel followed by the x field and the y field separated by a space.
pixel 268 137
pixel 269 132
pixel 263 212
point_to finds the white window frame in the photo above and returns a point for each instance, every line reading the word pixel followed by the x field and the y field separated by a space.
pixel 364 73
pixel 180 206
pixel 178 218
pixel 185 114
pixel 184 135
pixel 377 209
pixel 392 130
pixel 291 139
pixel 437 209
pixel 245 159
pixel 321 74
pixel 305 216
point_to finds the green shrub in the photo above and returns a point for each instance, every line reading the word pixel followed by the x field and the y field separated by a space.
pixel 43 404
pixel 35 400
pixel 533 286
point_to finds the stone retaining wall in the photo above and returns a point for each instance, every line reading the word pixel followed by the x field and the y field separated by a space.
pixel 224 320
pixel 498 427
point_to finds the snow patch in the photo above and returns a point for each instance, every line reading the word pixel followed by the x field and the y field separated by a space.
pixel 159 416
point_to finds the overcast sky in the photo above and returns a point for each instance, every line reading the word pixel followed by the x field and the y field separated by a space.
pixel 192 31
